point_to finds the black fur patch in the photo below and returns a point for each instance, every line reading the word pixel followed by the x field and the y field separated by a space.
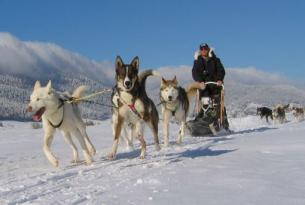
pixel 183 99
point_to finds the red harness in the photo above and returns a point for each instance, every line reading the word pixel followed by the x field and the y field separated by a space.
pixel 132 107
pixel 134 110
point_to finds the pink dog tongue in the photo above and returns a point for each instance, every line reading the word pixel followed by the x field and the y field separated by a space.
pixel 36 118
pixel 38 114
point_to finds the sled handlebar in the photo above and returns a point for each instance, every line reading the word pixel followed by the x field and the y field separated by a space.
pixel 214 83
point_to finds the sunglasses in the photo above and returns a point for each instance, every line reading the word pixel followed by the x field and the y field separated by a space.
pixel 204 48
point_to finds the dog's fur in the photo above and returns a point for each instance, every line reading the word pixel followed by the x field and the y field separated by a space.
pixel 130 94
pixel 47 105
pixel 175 102
pixel 279 113
pixel 264 112
pixel 298 113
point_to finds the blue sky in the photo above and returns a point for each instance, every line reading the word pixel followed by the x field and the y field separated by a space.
pixel 269 35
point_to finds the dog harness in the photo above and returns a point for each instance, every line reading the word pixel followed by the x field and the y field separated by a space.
pixel 132 106
pixel 61 104
pixel 172 110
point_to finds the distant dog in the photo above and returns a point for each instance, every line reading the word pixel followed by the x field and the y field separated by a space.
pixel 298 113
pixel 279 114
pixel 289 107
pixel 264 112
pixel 132 106
pixel 175 102
pixel 49 105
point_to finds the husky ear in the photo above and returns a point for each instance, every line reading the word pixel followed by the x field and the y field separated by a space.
pixel 163 81
pixel 118 62
pixel 49 85
pixel 175 80
pixel 135 62
pixel 37 85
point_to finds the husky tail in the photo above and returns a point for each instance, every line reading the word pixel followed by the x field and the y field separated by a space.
pixel 191 91
pixel 79 92
pixel 143 76
pixel 142 82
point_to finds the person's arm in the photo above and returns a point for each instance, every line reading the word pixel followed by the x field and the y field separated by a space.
pixel 220 70
pixel 197 76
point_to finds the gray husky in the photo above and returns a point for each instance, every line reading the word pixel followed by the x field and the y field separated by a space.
pixel 175 102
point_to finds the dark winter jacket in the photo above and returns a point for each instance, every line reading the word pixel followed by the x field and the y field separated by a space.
pixel 210 70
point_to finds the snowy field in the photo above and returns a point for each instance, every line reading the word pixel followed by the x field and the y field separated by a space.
pixel 259 164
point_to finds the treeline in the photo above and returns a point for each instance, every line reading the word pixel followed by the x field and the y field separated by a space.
pixel 15 94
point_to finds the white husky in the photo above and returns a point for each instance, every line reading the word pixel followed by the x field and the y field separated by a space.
pixel 49 105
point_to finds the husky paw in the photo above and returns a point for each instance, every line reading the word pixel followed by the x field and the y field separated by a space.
pixel 142 157
pixel 111 156
pixel 75 161
pixel 129 148
pixel 179 142
pixel 166 144
pixel 55 163
pixel 129 144
pixel 157 147
pixel 92 152
pixel 88 162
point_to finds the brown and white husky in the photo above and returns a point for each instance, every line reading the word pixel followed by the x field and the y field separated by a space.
pixel 132 106
pixel 175 102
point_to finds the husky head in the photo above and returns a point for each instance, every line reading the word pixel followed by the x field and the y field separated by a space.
pixel 294 110
pixel 297 110
pixel 259 111
pixel 278 111
pixel 43 100
pixel 126 74
pixel 169 89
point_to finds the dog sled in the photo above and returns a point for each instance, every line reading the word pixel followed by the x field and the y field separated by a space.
pixel 211 118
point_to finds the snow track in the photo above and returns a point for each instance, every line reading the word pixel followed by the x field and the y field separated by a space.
pixel 258 164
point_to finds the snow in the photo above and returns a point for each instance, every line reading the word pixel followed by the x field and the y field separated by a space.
pixel 260 163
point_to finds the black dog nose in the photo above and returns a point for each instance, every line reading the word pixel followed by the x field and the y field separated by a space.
pixel 170 98
pixel 127 83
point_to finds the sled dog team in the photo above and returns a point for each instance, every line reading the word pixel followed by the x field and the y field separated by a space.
pixel 132 110
pixel 278 113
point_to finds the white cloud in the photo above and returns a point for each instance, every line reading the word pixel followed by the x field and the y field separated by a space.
pixel 244 76
pixel 34 59
pixel 253 76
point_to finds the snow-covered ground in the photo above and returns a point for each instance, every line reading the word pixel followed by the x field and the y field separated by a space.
pixel 259 164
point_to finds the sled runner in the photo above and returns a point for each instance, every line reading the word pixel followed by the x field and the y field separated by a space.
pixel 211 116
